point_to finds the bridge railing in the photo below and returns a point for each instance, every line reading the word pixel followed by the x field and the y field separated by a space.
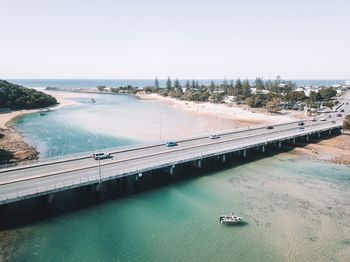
pixel 108 173
pixel 112 150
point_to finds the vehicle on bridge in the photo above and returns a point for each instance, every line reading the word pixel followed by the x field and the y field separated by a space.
pixel 301 124
pixel 339 115
pixel 171 144
pixel 269 127
pixel 214 136
pixel 323 119
pixel 101 155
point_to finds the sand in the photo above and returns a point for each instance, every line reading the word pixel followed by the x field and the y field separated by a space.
pixel 334 150
pixel 225 111
pixel 13 148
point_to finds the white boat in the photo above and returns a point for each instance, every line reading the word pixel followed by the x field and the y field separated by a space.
pixel 230 219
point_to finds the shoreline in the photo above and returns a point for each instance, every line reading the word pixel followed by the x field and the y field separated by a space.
pixel 227 116
pixel 13 147
pixel 226 111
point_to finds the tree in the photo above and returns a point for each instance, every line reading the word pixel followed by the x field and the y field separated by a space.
pixel 346 123
pixel 212 86
pixel 295 96
pixel 246 90
pixel 327 92
pixel 259 84
pixel 273 105
pixel 156 83
pixel 250 101
pixel 238 87
pixel 193 84
pixel 314 96
pixel 188 85
pixel 101 88
pixel 168 84
pixel 18 97
pixel 177 84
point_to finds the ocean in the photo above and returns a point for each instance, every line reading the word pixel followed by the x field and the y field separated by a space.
pixel 84 83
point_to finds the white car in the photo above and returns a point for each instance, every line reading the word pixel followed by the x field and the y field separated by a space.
pixel 323 119
pixel 214 136
pixel 101 155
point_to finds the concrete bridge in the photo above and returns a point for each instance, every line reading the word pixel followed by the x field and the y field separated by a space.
pixel 133 164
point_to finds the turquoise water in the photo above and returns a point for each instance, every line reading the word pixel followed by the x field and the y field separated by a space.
pixel 114 120
pixel 295 211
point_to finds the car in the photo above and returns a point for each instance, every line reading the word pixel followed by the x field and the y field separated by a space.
pixel 269 127
pixel 342 110
pixel 314 119
pixel 214 136
pixel 101 155
pixel 333 122
pixel 323 119
pixel 301 124
pixel 329 116
pixel 347 103
pixel 171 144
pixel 339 115
pixel 301 128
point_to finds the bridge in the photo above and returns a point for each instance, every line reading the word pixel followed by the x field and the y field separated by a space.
pixel 132 164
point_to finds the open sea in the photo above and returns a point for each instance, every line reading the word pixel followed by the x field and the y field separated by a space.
pixel 295 210
pixel 84 83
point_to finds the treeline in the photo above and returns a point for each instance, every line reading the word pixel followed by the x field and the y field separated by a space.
pixel 18 97
pixel 269 94
pixel 129 89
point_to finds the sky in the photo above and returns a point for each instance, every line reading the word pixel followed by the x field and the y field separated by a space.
pixel 135 39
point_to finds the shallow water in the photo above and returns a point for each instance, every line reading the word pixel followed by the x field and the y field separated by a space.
pixel 117 120
pixel 295 211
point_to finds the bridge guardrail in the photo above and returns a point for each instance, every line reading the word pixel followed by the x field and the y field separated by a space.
pixel 112 173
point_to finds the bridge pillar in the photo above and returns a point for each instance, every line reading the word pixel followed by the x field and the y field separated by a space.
pixel 263 149
pixel 223 158
pixel 172 170
pixel 50 198
pixel 307 138
pixel 319 134
pixel 330 132
pixel 137 177
pixel 279 144
pixel 293 141
pixel 244 153
pixel 199 164
pixel 98 187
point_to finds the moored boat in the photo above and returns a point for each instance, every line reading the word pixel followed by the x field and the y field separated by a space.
pixel 230 219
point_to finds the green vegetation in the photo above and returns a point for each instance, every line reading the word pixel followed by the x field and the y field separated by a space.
pixel 129 89
pixel 273 95
pixel 18 97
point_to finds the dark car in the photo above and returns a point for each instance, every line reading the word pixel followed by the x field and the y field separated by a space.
pixel 339 115
pixel 342 110
pixel 301 124
pixel 171 144
pixel 269 127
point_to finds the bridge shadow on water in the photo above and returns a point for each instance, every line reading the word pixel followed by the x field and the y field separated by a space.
pixel 31 211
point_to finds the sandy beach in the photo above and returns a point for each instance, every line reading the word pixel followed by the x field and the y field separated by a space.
pixel 13 148
pixel 334 150
pixel 225 111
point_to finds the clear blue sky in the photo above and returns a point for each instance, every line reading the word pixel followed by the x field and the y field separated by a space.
pixel 296 39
